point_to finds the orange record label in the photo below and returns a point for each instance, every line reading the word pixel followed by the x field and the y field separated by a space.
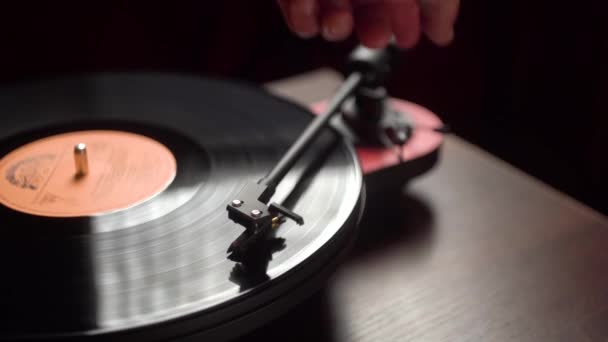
pixel 121 169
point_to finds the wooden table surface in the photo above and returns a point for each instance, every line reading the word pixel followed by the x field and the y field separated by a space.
pixel 477 251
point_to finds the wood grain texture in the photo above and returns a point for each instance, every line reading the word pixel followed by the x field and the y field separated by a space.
pixel 475 250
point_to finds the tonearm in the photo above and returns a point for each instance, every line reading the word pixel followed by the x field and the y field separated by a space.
pixel 361 99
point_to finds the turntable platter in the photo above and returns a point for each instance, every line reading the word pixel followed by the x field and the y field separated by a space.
pixel 157 269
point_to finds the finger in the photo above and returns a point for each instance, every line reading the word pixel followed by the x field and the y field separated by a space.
pixel 372 24
pixel 284 7
pixel 405 21
pixel 336 19
pixel 302 16
pixel 438 18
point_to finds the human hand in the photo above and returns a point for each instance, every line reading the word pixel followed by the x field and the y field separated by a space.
pixel 374 21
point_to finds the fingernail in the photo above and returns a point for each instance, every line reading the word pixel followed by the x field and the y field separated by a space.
pixel 328 32
pixel 337 27
pixel 450 36
pixel 303 14
pixel 447 38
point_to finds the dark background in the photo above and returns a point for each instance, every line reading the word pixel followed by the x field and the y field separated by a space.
pixel 525 80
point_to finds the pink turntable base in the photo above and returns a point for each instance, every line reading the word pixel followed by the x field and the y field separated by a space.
pixel 419 154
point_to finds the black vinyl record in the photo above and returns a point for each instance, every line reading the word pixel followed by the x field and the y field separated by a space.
pixel 159 270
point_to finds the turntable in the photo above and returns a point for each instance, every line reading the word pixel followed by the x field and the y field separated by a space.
pixel 156 207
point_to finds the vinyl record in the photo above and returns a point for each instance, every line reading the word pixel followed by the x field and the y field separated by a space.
pixel 141 254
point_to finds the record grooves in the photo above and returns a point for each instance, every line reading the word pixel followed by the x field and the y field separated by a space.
pixel 158 270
